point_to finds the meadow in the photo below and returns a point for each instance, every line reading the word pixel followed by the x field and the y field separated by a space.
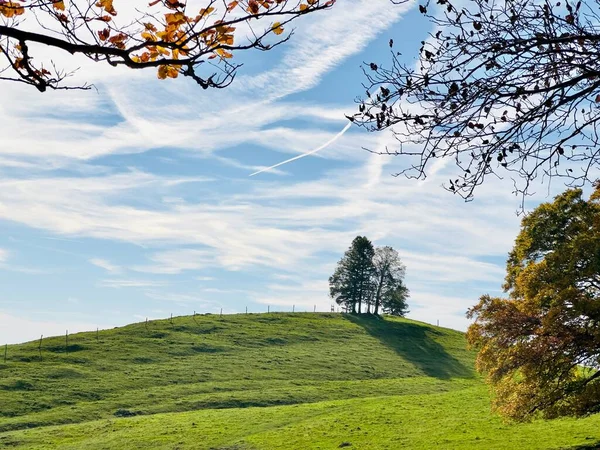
pixel 262 381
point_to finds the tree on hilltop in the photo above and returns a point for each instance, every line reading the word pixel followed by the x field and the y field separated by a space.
pixel 540 347
pixel 351 283
pixel 508 88
pixel 169 36
pixel 388 278
pixel 371 276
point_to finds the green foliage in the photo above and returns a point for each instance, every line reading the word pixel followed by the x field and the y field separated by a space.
pixel 540 347
pixel 390 292
pixel 351 284
pixel 394 302
pixel 371 276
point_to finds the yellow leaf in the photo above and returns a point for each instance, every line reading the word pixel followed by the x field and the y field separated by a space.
pixel 60 5
pixel 162 72
pixel 148 36
pixel 205 12
pixel 11 9
pixel 163 51
pixel 172 72
pixel 303 7
pixel 223 53
pixel 277 28
pixel 168 71
pixel 176 19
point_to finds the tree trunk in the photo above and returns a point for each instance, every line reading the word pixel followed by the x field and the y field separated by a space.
pixel 360 293
pixel 378 294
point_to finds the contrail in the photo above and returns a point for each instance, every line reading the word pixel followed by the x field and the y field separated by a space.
pixel 318 149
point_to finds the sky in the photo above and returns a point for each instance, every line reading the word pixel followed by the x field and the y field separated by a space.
pixel 134 200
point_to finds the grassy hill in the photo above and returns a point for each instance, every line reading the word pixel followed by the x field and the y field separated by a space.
pixel 267 381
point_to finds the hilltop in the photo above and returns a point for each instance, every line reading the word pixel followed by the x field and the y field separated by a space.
pixel 260 381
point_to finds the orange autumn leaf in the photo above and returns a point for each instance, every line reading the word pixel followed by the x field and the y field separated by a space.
pixel 253 7
pixel 167 71
pixel 104 34
pixel 232 6
pixel 205 12
pixel 11 9
pixel 175 19
pixel 107 5
pixel 223 53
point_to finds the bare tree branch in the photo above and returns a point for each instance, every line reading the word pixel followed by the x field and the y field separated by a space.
pixel 505 88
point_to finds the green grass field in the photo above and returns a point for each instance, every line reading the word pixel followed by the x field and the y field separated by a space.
pixel 269 381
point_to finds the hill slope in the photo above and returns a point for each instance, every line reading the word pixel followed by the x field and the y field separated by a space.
pixel 262 382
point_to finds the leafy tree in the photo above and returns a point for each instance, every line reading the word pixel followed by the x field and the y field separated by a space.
pixel 388 275
pixel 351 283
pixel 499 88
pixel 394 300
pixel 540 348
pixel 167 35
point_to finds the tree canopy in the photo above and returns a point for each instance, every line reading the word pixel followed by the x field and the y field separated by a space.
pixel 390 293
pixel 370 276
pixel 506 88
pixel 351 283
pixel 194 38
pixel 540 347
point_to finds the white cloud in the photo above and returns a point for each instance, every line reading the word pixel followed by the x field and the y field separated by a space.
pixel 313 52
pixel 177 261
pixel 130 283
pixel 104 264
pixel 432 307
pixel 16 329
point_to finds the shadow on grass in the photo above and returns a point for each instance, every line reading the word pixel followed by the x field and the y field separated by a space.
pixel 415 344
pixel 590 446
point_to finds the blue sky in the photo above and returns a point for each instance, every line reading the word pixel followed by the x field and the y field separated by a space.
pixel 135 200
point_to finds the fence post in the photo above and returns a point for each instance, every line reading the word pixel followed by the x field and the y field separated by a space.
pixel 293 308
pixel 221 313
pixel 246 310
pixel 67 342
pixel 5 351
pixel 268 309
pixel 40 346
pixel 97 335
pixel 315 308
